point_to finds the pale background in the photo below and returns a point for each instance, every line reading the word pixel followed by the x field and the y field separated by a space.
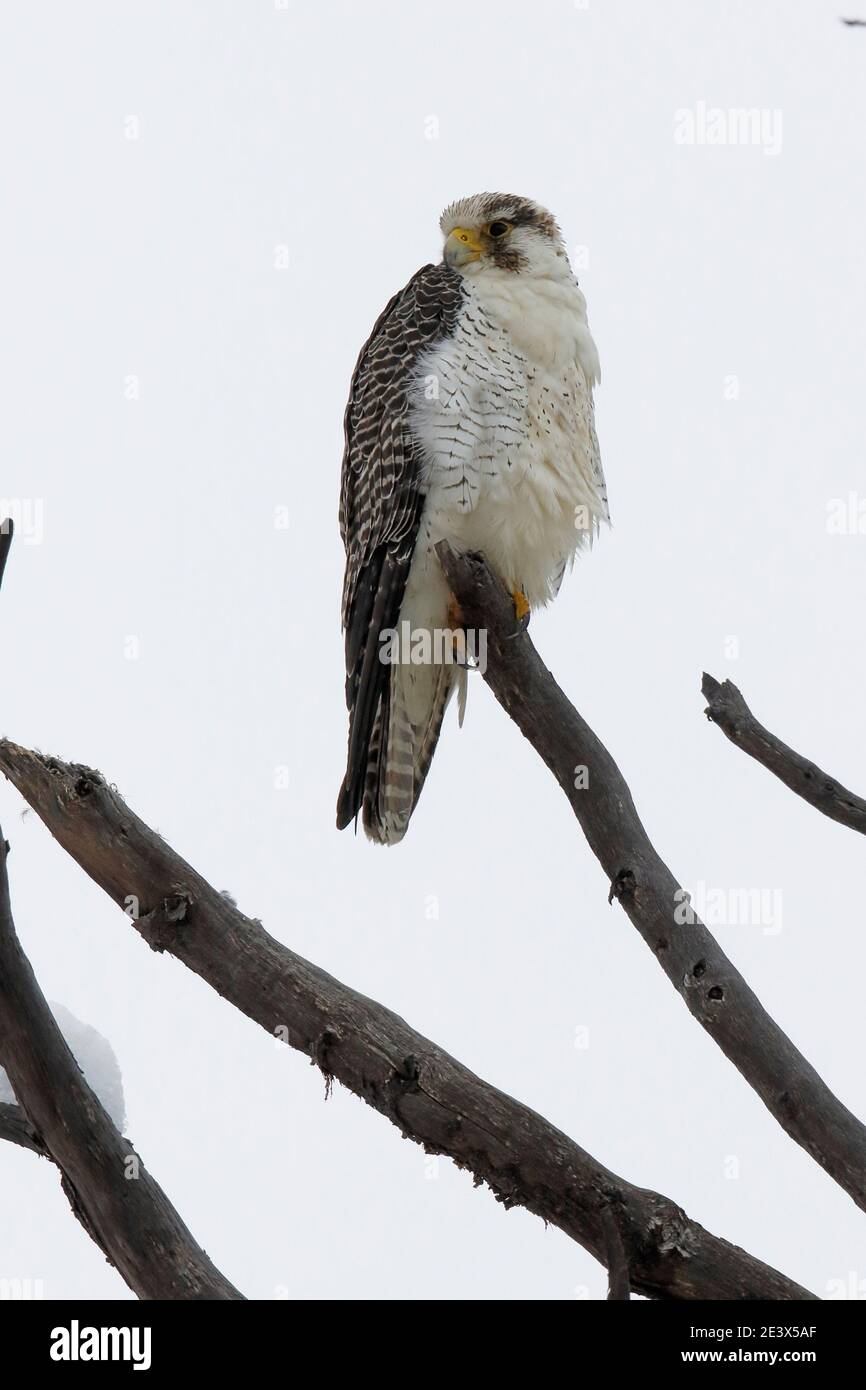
pixel 727 292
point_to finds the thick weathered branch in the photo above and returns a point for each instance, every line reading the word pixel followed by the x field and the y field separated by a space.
pixel 618 1280
pixel 699 970
pixel 429 1096
pixel 116 1200
pixel 15 1128
pixel 727 708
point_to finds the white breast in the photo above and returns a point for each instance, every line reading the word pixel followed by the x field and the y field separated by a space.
pixel 504 413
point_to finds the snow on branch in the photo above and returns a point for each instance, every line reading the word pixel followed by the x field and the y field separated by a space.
pixel 435 1101
pixel 119 1204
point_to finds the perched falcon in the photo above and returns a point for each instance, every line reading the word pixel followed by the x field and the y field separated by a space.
pixel 470 419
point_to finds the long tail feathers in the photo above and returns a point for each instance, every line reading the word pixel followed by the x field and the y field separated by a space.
pixel 400 752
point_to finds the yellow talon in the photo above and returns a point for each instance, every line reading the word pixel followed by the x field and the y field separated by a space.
pixel 521 604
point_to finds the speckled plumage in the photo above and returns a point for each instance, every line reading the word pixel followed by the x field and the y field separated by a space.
pixel 470 418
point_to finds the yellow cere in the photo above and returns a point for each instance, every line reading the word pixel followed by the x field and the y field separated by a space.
pixel 468 238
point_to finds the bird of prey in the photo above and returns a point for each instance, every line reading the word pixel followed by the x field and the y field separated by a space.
pixel 470 419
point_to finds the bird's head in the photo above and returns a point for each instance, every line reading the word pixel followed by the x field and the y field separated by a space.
pixel 502 230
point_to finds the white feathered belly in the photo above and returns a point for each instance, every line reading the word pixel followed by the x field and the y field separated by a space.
pixel 511 456
pixel 535 505
pixel 510 453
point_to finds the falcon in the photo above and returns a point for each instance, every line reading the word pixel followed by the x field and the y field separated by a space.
pixel 470 419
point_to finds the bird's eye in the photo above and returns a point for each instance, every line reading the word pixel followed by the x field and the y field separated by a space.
pixel 499 229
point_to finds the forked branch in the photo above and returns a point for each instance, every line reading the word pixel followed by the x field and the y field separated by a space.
pixel 430 1097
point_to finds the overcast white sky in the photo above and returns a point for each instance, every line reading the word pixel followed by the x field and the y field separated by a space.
pixel 164 630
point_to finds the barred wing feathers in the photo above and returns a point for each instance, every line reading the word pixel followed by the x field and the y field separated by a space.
pixel 381 500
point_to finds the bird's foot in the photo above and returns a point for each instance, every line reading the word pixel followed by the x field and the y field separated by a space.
pixel 522 609
pixel 457 624
pixel 521 605
pixel 455 617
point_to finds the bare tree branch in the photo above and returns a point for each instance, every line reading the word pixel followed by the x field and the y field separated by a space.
pixel 120 1206
pixel 428 1095
pixel 619 1281
pixel 7 530
pixel 17 1129
pixel 727 708
pixel 715 992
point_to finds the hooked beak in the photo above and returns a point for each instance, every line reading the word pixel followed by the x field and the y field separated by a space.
pixel 461 247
